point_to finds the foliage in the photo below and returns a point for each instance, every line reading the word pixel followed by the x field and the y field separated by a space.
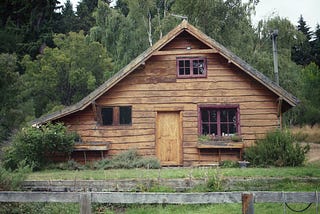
pixel 229 164
pixel 62 67
pixel 146 21
pixel 278 148
pixel 214 184
pixel 309 111
pixel 204 138
pixel 11 180
pixel 34 145
pixel 128 160
pixel 9 113
pixel 302 52
pixel 67 73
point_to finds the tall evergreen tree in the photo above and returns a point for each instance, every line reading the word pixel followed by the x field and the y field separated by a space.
pixel 315 44
pixel 301 53
pixel 304 28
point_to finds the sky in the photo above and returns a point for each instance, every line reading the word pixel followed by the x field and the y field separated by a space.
pixel 290 9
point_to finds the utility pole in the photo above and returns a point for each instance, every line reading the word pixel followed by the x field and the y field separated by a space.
pixel 274 36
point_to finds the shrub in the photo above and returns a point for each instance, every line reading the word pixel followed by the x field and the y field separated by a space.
pixel 278 148
pixel 229 164
pixel 35 145
pixel 12 180
pixel 128 160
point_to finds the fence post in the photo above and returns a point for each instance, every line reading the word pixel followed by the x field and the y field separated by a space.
pixel 247 203
pixel 85 203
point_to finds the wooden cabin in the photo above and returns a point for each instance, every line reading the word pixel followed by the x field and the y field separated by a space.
pixel 186 100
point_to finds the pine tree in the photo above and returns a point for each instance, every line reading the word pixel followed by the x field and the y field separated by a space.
pixel 302 53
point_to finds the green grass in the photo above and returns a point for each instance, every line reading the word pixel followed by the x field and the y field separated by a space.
pixel 261 208
pixel 286 184
pixel 73 208
pixel 286 172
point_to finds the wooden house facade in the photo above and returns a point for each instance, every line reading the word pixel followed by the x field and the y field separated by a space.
pixel 185 100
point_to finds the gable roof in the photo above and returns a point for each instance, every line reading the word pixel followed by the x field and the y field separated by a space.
pixel 140 60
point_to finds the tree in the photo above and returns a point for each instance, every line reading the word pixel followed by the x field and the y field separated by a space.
pixel 33 21
pixel 10 115
pixel 228 22
pixel 315 45
pixel 304 28
pixel 301 53
pixel 85 10
pixel 309 111
pixel 67 73
pixel 69 20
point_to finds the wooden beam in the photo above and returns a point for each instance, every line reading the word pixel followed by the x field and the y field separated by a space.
pixel 85 203
pixel 185 51
pixel 94 109
pixel 247 203
pixel 159 198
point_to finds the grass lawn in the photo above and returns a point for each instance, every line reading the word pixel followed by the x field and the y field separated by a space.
pixel 261 208
pixel 286 172
pixel 73 208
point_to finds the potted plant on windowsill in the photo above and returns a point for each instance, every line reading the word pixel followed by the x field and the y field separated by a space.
pixel 215 139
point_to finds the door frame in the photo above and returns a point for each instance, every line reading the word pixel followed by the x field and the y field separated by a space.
pixel 171 110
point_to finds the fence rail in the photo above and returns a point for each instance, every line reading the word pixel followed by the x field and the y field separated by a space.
pixel 86 198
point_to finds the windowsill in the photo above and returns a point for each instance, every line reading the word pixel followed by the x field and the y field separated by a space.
pixel 221 143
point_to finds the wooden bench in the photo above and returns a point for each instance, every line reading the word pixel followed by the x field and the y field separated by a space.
pixel 220 145
pixel 91 146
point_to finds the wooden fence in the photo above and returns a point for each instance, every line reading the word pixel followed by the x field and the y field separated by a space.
pixel 86 198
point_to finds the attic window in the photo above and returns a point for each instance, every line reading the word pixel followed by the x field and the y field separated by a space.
pixel 191 67
pixel 116 115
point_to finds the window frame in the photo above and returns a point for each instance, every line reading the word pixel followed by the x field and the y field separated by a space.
pixel 219 107
pixel 191 75
pixel 116 116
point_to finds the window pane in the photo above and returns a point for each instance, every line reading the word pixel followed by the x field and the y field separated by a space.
pixel 181 71
pixel 181 64
pixel 125 115
pixel 224 129
pixel 204 115
pixel 187 63
pixel 231 115
pixel 195 67
pixel 205 129
pixel 201 67
pixel 213 129
pixel 223 115
pixel 232 128
pixel 195 71
pixel 187 70
pixel 213 115
pixel 107 115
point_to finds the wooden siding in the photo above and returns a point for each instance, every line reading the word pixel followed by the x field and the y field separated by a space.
pixel 182 41
pixel 156 86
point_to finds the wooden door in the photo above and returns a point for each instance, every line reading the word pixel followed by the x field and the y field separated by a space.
pixel 168 138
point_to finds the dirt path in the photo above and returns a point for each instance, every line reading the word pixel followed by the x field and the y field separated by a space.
pixel 314 153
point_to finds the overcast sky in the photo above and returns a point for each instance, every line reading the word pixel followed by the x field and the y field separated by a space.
pixel 290 9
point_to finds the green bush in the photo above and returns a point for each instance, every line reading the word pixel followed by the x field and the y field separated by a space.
pixel 229 164
pixel 278 148
pixel 128 160
pixel 35 145
pixel 12 180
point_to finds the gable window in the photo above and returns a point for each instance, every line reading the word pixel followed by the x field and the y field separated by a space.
pixel 191 67
pixel 219 121
pixel 116 115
